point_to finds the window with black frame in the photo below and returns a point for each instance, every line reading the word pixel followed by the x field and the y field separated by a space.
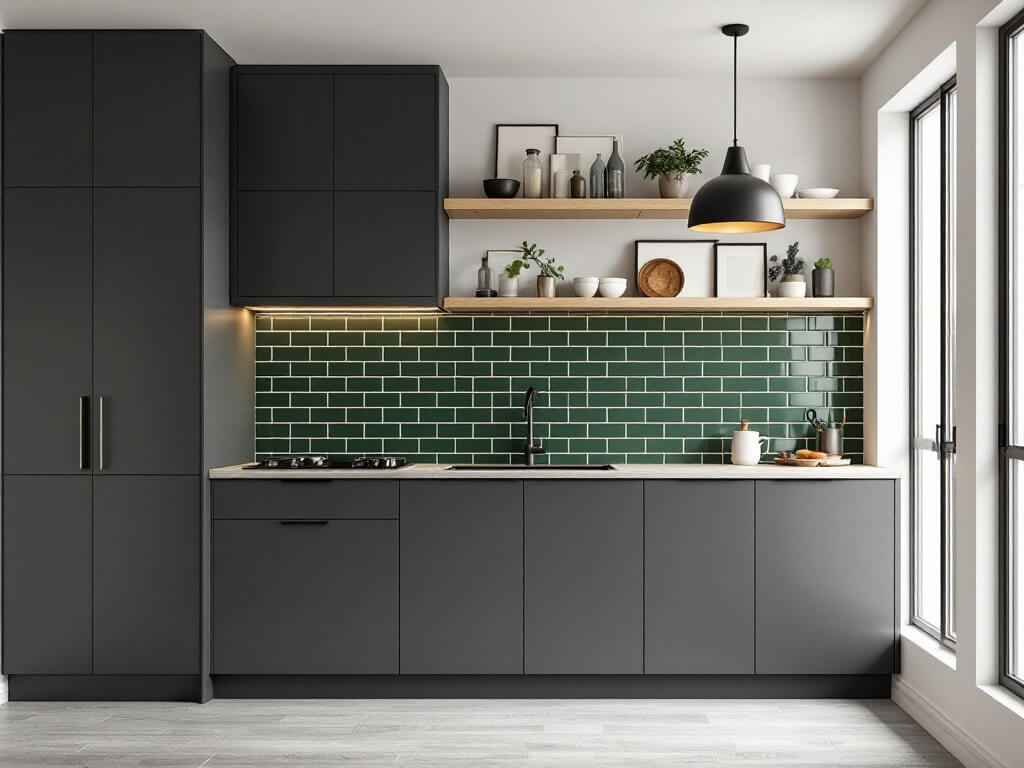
pixel 933 358
pixel 1011 425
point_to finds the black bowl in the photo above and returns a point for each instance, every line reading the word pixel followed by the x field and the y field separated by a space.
pixel 501 187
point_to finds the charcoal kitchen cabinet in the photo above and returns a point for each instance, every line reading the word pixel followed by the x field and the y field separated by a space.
pixel 825 576
pixel 699 577
pixel 584 582
pixel 462 577
pixel 325 211
pixel 305 596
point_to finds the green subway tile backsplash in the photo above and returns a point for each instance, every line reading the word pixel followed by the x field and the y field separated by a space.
pixel 623 389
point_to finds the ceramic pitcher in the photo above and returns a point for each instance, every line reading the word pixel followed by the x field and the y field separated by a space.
pixel 747 445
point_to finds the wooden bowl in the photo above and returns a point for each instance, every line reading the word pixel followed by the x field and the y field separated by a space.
pixel 661 277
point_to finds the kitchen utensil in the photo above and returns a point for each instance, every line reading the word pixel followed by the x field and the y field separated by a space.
pixel 818 193
pixel 747 447
pixel 501 187
pixel 812 416
pixel 660 277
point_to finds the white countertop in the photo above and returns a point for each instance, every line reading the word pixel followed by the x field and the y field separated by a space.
pixel 621 472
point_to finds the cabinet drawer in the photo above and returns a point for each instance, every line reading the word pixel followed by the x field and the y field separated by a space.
pixel 305 499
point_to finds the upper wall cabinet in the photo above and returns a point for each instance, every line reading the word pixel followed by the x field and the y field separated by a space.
pixel 340 175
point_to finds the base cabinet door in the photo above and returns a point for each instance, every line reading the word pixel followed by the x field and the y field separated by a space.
pixel 146 575
pixel 47 575
pixel 584 564
pixel 825 576
pixel 305 597
pixel 462 577
pixel 698 577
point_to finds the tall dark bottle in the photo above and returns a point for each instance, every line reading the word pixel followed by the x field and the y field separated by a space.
pixel 615 175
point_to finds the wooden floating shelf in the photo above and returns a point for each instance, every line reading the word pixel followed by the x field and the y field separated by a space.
pixel 659 305
pixel 633 208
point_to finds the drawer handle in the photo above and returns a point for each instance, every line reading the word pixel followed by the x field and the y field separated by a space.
pixel 304 522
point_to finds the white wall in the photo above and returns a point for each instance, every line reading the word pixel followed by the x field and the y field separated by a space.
pixel 809 127
pixel 958 699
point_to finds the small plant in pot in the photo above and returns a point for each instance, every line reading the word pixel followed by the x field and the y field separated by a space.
pixel 549 271
pixel 823 279
pixel 672 167
pixel 508 283
pixel 793 285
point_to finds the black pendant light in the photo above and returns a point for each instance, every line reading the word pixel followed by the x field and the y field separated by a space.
pixel 736 202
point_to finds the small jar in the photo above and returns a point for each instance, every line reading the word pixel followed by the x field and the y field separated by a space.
pixel 577 185
pixel 533 174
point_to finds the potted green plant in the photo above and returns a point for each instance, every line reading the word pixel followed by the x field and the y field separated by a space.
pixel 823 279
pixel 793 285
pixel 508 283
pixel 672 167
pixel 548 271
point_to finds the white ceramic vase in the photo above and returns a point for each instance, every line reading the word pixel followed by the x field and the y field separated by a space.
pixel 508 286
pixel 672 185
pixel 792 289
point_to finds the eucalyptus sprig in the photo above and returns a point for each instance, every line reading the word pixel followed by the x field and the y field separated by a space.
pixel 674 161
pixel 547 267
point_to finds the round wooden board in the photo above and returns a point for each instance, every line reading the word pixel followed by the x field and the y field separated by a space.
pixel 660 277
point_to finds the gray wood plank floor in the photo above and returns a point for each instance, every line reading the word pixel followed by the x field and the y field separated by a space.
pixel 478 733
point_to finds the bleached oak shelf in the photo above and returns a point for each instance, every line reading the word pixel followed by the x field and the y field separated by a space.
pixel 633 208
pixel 459 305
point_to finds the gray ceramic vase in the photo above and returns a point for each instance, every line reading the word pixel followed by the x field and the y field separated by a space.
pixel 823 282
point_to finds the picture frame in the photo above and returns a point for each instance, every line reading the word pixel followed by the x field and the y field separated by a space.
pixel 741 270
pixel 696 259
pixel 587 147
pixel 511 140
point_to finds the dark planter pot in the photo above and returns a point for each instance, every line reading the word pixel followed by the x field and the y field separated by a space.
pixel 823 282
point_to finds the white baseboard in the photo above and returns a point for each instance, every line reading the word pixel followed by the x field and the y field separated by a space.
pixel 961 744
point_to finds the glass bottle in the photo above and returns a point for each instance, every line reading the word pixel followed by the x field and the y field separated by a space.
pixel 483 279
pixel 533 173
pixel 615 184
pixel 577 185
pixel 597 177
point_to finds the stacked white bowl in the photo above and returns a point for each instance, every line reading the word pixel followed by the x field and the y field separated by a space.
pixel 585 287
pixel 612 287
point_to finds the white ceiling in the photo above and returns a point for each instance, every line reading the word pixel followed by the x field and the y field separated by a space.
pixel 493 38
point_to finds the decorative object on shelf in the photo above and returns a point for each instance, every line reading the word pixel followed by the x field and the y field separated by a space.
pixel 615 174
pixel 695 259
pixel 508 278
pixel 533 174
pixel 673 167
pixel 747 448
pixel 612 287
pixel 585 287
pixel 823 278
pixel 511 141
pixel 483 280
pixel 577 185
pixel 549 271
pixel 736 202
pixel 660 277
pixel 587 148
pixel 818 193
pixel 597 178
pixel 741 270
pixel 763 171
pixel 792 285
pixel 561 161
pixel 501 187
pixel 560 189
pixel 785 184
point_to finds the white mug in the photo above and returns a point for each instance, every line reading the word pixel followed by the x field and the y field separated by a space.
pixel 747 447
pixel 763 171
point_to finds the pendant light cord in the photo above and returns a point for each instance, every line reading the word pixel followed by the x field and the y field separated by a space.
pixel 735 41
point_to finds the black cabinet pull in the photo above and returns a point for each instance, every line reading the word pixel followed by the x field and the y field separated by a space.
pixel 83 432
pixel 101 433
pixel 304 522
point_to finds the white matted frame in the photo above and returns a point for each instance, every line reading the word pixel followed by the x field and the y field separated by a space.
pixel 741 270
pixel 696 258
pixel 511 143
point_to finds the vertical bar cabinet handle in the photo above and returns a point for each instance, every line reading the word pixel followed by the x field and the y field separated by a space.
pixel 83 429
pixel 101 433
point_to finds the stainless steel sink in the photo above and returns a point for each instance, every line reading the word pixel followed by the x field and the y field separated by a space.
pixel 574 467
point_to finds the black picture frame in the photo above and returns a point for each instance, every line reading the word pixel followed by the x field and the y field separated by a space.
pixel 714 260
pixel 764 252
pixel 499 126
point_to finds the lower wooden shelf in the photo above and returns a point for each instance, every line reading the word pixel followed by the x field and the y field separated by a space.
pixel 457 304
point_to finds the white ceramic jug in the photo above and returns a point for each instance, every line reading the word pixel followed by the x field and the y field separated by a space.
pixel 746 445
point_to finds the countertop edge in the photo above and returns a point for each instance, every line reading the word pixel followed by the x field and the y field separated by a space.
pixel 621 472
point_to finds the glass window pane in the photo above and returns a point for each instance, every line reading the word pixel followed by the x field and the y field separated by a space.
pixel 950 365
pixel 1016 571
pixel 1016 321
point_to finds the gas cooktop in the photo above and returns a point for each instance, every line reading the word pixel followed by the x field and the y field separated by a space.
pixel 324 462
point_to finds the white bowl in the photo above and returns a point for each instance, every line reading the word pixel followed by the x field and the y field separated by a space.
pixel 613 280
pixel 594 280
pixel 612 289
pixel 818 193
pixel 784 183
pixel 584 289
